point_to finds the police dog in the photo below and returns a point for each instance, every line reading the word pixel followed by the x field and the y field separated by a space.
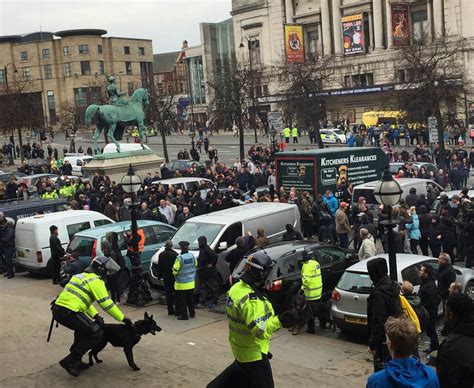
pixel 301 314
pixel 322 311
pixel 126 337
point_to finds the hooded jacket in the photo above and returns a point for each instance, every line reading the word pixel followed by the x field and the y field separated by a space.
pixel 332 203
pixel 437 229
pixel 414 227
pixel 383 301
pixel 455 361
pixel 207 257
pixel 291 234
pixel 404 373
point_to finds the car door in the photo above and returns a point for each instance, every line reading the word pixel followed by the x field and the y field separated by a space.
pixel 333 263
pixel 287 270
pixel 228 237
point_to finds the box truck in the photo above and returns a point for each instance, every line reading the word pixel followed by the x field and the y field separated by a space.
pixel 318 170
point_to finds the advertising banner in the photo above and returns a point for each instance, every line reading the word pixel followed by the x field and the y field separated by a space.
pixel 401 32
pixel 353 34
pixel 297 172
pixel 294 47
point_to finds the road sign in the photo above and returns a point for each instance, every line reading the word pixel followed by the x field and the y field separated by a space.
pixel 433 129
pixel 275 119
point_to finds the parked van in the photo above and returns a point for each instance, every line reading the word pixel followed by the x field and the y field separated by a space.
pixel 78 161
pixel 32 235
pixel 221 229
pixel 366 190
pixel 87 242
pixel 31 207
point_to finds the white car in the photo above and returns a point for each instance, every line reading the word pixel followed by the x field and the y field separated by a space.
pixel 349 298
pixel 333 136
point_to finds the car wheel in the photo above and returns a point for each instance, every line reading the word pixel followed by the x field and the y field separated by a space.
pixel 469 291
pixel 338 141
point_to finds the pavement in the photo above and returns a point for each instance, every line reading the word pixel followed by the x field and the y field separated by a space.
pixel 184 354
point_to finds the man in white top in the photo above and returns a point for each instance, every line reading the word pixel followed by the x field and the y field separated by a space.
pixel 166 211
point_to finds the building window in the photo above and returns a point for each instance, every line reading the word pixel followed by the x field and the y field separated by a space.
pixel 24 55
pixel 362 80
pixel 101 67
pixel 85 68
pixel 347 81
pixel 66 50
pixel 83 49
pixel 67 69
pixel 48 72
pixel 26 74
pixel 100 49
pixel 419 20
pixel 128 68
pixel 143 68
pixel 141 51
pixel 2 76
pixel 181 87
pixel 45 53
pixel 311 44
pixel 400 75
pixel 80 96
pixel 126 50
pixel 130 88
pixel 254 51
pixel 265 90
pixel 51 105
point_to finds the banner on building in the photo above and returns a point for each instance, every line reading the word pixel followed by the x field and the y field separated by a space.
pixel 294 47
pixel 353 34
pixel 401 32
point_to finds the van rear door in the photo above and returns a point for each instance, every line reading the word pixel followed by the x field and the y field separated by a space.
pixel 25 247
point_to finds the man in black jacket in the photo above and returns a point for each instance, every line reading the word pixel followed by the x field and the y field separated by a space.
pixel 383 302
pixel 207 277
pixel 446 276
pixel 236 255
pixel 291 234
pixel 8 242
pixel 184 216
pixel 164 270
pixel 57 253
pixel 430 299
pixel 455 361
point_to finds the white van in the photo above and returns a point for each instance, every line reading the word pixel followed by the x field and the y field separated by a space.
pixel 78 161
pixel 32 235
pixel 223 227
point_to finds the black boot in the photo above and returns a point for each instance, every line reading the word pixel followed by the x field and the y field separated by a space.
pixel 71 365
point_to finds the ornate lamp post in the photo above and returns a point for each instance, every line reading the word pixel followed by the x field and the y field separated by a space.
pixel 388 192
pixel 192 135
pixel 138 293
pixel 273 133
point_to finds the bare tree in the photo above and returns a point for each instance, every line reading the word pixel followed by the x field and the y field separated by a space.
pixel 434 80
pixel 302 86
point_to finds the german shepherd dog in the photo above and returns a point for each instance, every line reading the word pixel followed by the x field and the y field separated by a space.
pixel 126 337
pixel 301 314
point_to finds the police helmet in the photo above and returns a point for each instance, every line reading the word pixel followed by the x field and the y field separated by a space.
pixel 103 265
pixel 258 265
pixel 308 254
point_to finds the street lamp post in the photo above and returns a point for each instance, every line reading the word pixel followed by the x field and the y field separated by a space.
pixel 388 192
pixel 138 293
pixel 254 124
pixel 192 135
pixel 273 133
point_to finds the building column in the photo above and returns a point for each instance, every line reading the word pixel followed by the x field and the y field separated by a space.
pixel 289 13
pixel 388 18
pixel 438 28
pixel 326 27
pixel 429 11
pixel 378 24
pixel 337 26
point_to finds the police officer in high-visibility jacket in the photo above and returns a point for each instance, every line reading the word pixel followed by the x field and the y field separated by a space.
pixel 184 271
pixel 294 134
pixel 252 322
pixel 287 134
pixel 311 284
pixel 73 309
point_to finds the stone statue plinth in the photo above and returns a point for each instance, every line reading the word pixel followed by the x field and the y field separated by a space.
pixel 115 164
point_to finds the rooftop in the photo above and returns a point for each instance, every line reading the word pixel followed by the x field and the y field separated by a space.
pixel 165 62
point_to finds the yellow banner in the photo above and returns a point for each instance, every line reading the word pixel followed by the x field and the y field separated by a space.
pixel 294 46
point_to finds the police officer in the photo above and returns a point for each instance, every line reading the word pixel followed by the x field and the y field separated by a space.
pixel 311 285
pixel 252 322
pixel 73 309
pixel 184 271
pixel 294 134
pixel 287 133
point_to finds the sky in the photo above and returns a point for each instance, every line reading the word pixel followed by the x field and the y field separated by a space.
pixel 166 22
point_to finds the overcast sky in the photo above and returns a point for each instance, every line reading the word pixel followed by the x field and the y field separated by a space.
pixel 166 22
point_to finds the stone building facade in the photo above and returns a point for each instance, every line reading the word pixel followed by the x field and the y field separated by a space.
pixel 366 76
pixel 72 66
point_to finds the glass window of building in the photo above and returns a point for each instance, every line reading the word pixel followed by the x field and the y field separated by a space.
pixel 80 96
pixel 419 20
pixel 24 55
pixel 141 51
pixel 130 88
pixel 100 49
pixel 311 43
pixel 68 69
pixel 26 74
pixel 2 76
pixel 83 49
pixel 126 50
pixel 66 50
pixel 101 67
pixel 45 53
pixel 85 68
pixel 128 68
pixel 143 68
pixel 254 51
pixel 48 72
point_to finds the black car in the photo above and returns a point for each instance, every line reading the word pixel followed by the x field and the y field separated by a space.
pixel 182 165
pixel 285 277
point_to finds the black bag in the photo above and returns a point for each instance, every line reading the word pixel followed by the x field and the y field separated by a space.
pixel 423 316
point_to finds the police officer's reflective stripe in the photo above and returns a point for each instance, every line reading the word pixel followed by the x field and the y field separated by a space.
pixel 313 276
pixel 112 305
pixel 243 300
pixel 71 291
pixel 105 298
pixel 89 280
pixel 313 289
pixel 82 289
pixel 239 331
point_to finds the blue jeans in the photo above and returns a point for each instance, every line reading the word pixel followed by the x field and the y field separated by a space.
pixel 343 240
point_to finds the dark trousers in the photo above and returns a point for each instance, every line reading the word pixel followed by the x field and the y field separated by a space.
pixel 449 249
pixel 307 228
pixel 257 374
pixel 56 269
pixel 169 294
pixel 424 245
pixel 470 258
pixel 431 331
pixel 287 140
pixel 435 250
pixel 295 140
pixel 86 332
pixel 380 357
pixel 343 240
pixel 208 285
pixel 9 252
pixel 313 305
pixel 185 303
pixel 414 246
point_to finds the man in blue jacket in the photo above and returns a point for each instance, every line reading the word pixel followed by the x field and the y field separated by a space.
pixel 403 370
pixel 331 201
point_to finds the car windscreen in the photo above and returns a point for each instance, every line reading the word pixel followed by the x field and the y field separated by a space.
pixel 338 131
pixel 358 282
pixel 191 231
pixel 239 270
pixel 81 245
pixel 368 194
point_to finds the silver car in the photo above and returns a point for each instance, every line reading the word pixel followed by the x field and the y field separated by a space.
pixel 349 298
